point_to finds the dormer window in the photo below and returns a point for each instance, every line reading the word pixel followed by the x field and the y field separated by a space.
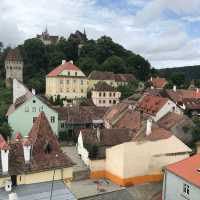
pixel 47 148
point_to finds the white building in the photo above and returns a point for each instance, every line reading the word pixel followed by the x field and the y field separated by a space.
pixel 104 95
pixel 182 180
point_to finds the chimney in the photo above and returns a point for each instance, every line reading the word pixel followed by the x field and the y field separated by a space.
pixel 149 127
pixel 4 160
pixel 151 79
pixel 174 88
pixel 71 61
pixel 33 91
pixel 98 134
pixel 63 62
pixel 197 90
pixel 27 151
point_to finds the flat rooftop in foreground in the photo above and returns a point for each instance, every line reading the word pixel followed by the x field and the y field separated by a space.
pixel 40 191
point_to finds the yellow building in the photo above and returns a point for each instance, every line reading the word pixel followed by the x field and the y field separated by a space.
pixel 35 159
pixel 66 80
pixel 110 78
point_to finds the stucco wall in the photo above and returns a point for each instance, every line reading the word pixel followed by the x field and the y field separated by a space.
pixel 174 188
pixel 22 120
pixel 108 100
pixel 137 159
pixel 97 165
pixel 67 87
pixel 14 70
pixel 3 180
pixel 44 176
pixel 168 107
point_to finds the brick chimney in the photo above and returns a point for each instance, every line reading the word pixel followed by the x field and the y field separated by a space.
pixel 27 150
pixel 63 62
pixel 174 88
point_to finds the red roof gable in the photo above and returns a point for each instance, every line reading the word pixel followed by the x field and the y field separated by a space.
pixel 66 66
pixel 151 104
pixel 187 169
pixel 159 82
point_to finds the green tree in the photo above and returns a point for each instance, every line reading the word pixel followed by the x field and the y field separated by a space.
pixel 87 64
pixel 114 64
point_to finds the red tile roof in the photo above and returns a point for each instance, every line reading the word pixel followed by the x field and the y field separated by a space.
pixel 124 77
pixel 180 95
pixel 159 82
pixel 66 66
pixel 187 169
pixel 14 55
pixel 131 119
pixel 151 104
pixel 170 120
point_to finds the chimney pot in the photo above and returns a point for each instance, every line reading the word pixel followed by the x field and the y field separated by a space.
pixel 98 134
pixel 33 91
pixel 197 90
pixel 174 88
pixel 149 127
pixel 71 61
pixel 63 62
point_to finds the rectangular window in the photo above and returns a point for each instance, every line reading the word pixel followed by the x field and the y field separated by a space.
pixel 62 125
pixel 81 90
pixel 33 109
pixel 68 73
pixel 186 189
pixel 61 81
pixel 99 94
pixel 34 119
pixel 114 94
pixel 81 82
pixel 41 108
pixel 104 94
pixel 104 101
pixel 100 101
pixel 110 94
pixel 74 81
pixel 52 119
pixel 75 73
pixel 68 82
pixel 110 102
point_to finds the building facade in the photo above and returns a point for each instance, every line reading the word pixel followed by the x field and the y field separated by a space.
pixel 67 81
pixel 14 66
pixel 104 95
pixel 33 159
pixel 22 114
pixel 47 39
pixel 181 180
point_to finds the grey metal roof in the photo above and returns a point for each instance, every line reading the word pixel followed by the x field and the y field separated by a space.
pixel 40 191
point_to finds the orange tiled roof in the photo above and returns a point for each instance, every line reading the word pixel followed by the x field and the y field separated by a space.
pixel 187 169
pixel 180 95
pixel 151 104
pixel 61 68
pixel 159 82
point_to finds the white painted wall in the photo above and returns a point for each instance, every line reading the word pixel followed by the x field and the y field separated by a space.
pixel 168 107
pixel 82 151
pixel 4 160
pixel 173 188
pixel 18 90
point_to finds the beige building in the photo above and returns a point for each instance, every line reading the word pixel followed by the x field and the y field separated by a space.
pixel 104 95
pixel 66 80
pixel 110 78
pixel 14 66
pixel 33 159
pixel 130 158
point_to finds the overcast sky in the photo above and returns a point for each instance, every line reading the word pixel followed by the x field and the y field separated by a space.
pixel 166 32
